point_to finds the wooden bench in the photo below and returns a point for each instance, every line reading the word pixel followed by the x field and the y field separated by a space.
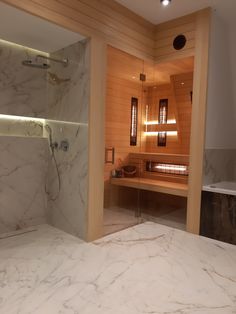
pixel 166 187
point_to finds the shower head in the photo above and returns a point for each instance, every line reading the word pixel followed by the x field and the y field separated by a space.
pixel 64 62
pixel 30 63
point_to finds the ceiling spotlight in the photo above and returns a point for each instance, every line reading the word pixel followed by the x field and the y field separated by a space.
pixel 165 2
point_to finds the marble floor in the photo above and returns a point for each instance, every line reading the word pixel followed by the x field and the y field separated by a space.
pixel 146 269
pixel 174 218
pixel 117 219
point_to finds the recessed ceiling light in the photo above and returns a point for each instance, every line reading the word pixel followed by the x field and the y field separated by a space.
pixel 165 2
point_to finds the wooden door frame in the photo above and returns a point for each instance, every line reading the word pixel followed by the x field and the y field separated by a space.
pixel 198 120
pixel 98 60
pixel 198 123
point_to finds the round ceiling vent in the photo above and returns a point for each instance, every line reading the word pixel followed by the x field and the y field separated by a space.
pixel 179 42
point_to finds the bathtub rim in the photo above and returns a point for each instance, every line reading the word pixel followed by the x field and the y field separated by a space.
pixel 218 188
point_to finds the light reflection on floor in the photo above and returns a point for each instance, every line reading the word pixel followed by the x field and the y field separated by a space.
pixel 116 219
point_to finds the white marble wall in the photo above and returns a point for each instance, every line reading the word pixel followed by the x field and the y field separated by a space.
pixel 22 89
pixel 219 165
pixel 23 166
pixel 67 204
pixel 52 93
pixel 68 100
pixel 11 126
pixel 68 86
pixel 61 93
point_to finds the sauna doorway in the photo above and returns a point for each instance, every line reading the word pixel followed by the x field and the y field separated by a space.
pixel 123 115
pixel 147 138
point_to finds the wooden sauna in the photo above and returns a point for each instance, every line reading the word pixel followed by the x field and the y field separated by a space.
pixel 160 183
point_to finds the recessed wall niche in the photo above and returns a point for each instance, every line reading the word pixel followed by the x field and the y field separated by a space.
pixel 30 90
pixel 44 99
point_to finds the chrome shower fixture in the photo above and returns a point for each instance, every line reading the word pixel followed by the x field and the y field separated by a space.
pixel 65 62
pixel 57 80
pixel 30 63
pixel 53 145
pixel 43 65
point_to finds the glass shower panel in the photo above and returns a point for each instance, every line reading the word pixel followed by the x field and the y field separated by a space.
pixel 146 126
pixel 167 93
pixel 123 140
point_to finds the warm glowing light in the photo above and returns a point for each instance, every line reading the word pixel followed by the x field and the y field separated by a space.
pixel 40 120
pixel 171 167
pixel 24 47
pixel 66 122
pixel 151 122
pixel 172 133
pixel 151 133
pixel 173 121
pixel 165 2
pixel 169 133
pixel 156 122
pixel 133 121
pixel 20 118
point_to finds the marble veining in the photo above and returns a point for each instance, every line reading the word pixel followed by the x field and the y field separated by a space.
pixel 219 165
pixel 146 269
pixel 30 192
pixel 67 204
pixel 22 89
pixel 68 100
pixel 23 165
pixel 117 219
pixel 218 216
pixel 68 86
pixel 21 127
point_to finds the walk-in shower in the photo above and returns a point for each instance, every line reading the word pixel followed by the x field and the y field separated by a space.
pixel 46 131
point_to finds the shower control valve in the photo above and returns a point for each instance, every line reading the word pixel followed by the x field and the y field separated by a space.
pixel 54 145
pixel 64 145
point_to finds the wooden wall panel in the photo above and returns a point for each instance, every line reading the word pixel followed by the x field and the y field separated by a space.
pixel 118 26
pixel 182 85
pixel 165 34
pixel 123 83
pixel 121 87
pixel 198 119
pixel 106 18
pixel 96 140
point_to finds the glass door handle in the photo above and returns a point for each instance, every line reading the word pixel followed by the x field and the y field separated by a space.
pixel 110 155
